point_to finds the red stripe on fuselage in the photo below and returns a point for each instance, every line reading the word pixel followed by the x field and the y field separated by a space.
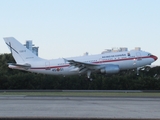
pixel 98 62
pixel 50 67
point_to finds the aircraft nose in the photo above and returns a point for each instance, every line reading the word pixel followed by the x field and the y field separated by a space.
pixel 154 57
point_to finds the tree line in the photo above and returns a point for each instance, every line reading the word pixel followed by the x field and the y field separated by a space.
pixel 15 79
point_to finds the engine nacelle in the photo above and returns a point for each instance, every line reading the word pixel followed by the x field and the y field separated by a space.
pixel 110 69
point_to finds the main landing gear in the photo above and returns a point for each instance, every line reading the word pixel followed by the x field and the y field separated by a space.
pixel 138 71
pixel 88 75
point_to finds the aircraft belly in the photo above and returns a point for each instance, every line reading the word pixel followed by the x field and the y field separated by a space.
pixel 145 62
pixel 64 72
pixel 131 64
pixel 126 65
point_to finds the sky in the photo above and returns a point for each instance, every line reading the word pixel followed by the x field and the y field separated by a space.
pixel 68 28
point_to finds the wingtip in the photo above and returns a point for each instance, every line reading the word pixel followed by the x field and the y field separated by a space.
pixel 65 60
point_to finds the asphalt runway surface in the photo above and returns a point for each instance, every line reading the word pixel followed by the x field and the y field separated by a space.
pixel 80 107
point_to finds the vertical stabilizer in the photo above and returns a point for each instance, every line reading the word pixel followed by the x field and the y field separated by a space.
pixel 20 53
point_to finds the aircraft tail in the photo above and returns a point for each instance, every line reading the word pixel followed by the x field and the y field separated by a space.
pixel 20 53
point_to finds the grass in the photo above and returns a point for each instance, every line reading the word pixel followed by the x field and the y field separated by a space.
pixel 85 94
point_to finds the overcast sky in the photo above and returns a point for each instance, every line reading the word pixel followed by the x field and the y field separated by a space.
pixel 67 28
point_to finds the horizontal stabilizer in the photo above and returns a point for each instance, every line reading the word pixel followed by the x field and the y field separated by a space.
pixel 19 66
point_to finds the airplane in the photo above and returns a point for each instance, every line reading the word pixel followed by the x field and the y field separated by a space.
pixel 108 62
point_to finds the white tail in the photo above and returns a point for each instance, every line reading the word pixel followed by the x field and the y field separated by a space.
pixel 20 53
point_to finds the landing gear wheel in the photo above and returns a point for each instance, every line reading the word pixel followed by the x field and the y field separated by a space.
pixel 138 71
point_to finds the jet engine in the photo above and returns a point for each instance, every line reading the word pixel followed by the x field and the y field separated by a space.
pixel 110 69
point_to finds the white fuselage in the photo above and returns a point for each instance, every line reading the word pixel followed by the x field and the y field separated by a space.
pixel 109 62
pixel 125 60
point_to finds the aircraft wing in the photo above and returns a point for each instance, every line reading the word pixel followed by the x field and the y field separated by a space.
pixel 83 66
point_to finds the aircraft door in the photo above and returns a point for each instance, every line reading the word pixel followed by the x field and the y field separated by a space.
pixel 138 59
pixel 135 62
pixel 47 65
pixel 100 60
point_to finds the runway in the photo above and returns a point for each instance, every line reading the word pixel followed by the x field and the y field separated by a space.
pixel 80 107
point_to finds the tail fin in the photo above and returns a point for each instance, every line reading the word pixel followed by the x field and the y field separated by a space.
pixel 20 53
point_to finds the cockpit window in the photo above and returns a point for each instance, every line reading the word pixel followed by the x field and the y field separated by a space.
pixel 149 54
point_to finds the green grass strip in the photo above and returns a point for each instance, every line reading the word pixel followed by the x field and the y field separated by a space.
pixel 74 94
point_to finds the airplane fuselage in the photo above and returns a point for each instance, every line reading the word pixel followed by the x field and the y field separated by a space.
pixel 110 61
pixel 125 60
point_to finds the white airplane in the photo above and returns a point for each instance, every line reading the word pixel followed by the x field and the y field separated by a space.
pixel 108 62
